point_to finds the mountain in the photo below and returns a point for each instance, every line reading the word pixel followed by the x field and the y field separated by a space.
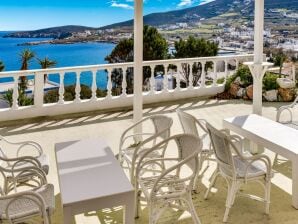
pixel 239 9
pixel 53 32
pixel 206 11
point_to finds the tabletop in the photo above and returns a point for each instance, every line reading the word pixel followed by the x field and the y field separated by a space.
pixel 87 170
pixel 266 132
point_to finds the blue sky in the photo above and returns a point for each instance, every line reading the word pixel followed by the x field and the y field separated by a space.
pixel 35 14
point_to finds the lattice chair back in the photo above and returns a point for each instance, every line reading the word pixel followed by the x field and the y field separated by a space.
pixel 188 123
pixel 221 145
pixel 162 125
pixel 188 145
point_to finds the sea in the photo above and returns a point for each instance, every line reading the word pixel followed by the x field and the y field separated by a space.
pixel 65 55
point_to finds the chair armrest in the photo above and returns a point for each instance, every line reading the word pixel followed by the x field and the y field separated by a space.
pixel 262 158
pixel 23 144
pixel 288 108
pixel 20 161
pixel 22 199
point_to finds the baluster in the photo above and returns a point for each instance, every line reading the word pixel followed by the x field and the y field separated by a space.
pixel 179 68
pixel 124 82
pixel 152 80
pixel 165 79
pixel 109 85
pixel 39 83
pixel 214 73
pixel 78 88
pixel 191 78
pixel 61 89
pixel 15 95
pixel 237 64
pixel 203 75
pixel 226 70
pixel 94 85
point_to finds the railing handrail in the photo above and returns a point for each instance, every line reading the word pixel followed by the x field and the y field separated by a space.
pixel 117 65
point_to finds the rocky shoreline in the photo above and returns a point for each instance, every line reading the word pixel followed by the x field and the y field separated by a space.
pixel 68 41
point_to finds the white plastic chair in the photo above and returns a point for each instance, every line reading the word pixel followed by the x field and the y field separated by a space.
pixel 27 153
pixel 291 122
pixel 169 186
pixel 197 127
pixel 238 168
pixel 133 145
pixel 21 149
pixel 19 207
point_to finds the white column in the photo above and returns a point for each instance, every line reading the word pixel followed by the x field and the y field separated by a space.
pixel 258 57
pixel 138 61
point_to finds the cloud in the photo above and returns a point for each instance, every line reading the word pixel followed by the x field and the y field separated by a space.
pixel 184 3
pixel 116 4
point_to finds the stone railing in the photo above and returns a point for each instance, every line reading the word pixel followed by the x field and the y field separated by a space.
pixel 167 80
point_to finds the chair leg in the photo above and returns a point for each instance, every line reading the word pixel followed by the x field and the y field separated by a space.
pixel 192 210
pixel 49 217
pixel 212 183
pixel 152 215
pixel 230 199
pixel 267 196
pixel 137 203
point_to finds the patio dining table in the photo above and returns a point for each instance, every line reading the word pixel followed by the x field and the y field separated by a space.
pixel 272 135
pixel 91 179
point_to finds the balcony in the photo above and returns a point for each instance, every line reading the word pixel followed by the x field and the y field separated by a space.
pixel 50 130
pixel 210 82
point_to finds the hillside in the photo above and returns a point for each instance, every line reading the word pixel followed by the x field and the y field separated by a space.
pixel 207 11
pixel 53 32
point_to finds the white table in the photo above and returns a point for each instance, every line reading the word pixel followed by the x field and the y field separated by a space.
pixel 92 179
pixel 276 137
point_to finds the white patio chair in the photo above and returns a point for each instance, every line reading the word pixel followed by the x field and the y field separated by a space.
pixel 15 150
pixel 22 206
pixel 291 122
pixel 238 168
pixel 197 127
pixel 169 186
pixel 21 154
pixel 133 145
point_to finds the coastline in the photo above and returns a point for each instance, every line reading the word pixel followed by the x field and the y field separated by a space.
pixel 68 41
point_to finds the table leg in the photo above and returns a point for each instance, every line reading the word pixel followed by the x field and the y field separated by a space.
pixel 255 148
pixel 295 182
pixel 67 215
pixel 129 210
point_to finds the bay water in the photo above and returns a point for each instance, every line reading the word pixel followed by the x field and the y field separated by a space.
pixel 65 55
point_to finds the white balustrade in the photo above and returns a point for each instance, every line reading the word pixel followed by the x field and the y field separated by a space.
pixel 78 88
pixel 94 85
pixel 17 111
pixel 15 95
pixel 61 88
pixel 124 81
pixel 203 75
pixel 110 84
pixel 191 78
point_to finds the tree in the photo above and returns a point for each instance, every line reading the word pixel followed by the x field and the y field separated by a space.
pixel 46 63
pixel 155 48
pixel 26 56
pixel 2 67
pixel 191 48
pixel 278 59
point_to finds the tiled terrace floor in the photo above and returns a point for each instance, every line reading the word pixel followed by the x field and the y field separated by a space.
pixel 48 131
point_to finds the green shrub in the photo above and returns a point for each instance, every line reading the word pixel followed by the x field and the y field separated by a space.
pixel 245 76
pixel 220 81
pixel 269 81
pixel 52 96
pixel 23 99
pixel 229 81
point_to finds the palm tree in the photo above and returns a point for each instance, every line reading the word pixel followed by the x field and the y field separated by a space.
pixel 46 63
pixel 26 56
pixel 1 66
